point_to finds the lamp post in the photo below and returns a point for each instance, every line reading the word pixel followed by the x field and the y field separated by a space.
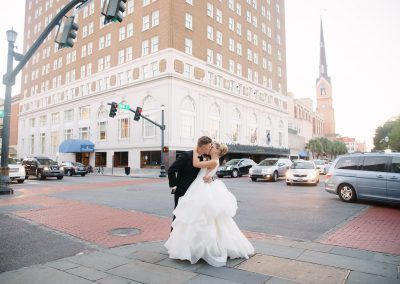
pixel 162 166
pixel 9 81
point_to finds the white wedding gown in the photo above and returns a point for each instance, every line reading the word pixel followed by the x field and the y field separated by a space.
pixel 204 228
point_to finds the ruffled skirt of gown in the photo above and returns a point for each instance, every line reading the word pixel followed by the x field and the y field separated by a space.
pixel 204 228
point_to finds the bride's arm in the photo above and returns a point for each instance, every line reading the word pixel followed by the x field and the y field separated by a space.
pixel 202 164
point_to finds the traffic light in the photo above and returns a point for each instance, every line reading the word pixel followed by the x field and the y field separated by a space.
pixel 113 109
pixel 113 10
pixel 138 113
pixel 165 149
pixel 68 34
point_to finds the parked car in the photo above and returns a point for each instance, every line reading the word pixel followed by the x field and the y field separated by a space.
pixel 17 171
pixel 42 167
pixel 370 176
pixel 235 168
pixel 270 168
pixel 303 172
pixel 322 166
pixel 74 168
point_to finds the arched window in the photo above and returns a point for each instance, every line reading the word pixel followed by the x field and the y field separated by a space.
pixel 253 128
pixel 150 111
pixel 235 125
pixel 187 118
pixel 102 123
pixel 214 122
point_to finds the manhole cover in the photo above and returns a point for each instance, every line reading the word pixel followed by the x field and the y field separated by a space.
pixel 124 232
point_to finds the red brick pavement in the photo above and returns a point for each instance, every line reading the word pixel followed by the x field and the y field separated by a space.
pixel 93 222
pixel 377 229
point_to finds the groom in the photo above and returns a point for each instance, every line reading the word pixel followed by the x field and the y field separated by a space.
pixel 181 173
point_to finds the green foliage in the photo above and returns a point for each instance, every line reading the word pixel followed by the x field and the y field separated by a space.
pixel 390 129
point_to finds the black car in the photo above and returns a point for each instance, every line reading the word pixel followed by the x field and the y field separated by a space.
pixel 74 168
pixel 42 167
pixel 235 168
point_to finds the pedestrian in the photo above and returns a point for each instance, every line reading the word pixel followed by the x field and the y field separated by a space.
pixel 203 226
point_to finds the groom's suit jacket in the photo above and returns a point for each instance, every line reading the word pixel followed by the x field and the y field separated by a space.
pixel 182 173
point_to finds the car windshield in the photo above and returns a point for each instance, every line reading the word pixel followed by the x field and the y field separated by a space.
pixel 77 164
pixel 303 165
pixel 319 162
pixel 233 162
pixel 46 162
pixel 268 162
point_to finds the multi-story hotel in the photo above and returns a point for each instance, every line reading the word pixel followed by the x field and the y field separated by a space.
pixel 218 67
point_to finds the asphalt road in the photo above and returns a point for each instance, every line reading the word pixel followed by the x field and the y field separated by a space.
pixel 300 212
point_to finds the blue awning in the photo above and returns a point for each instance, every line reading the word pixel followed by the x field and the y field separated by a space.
pixel 76 146
pixel 303 153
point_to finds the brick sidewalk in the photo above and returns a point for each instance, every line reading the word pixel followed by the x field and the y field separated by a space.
pixel 377 229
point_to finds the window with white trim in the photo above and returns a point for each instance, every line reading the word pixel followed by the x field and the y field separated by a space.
pixel 188 21
pixel 188 46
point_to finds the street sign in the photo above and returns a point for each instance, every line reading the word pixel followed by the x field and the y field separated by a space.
pixel 1 113
pixel 123 106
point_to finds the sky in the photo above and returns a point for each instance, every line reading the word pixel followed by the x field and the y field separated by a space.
pixel 362 43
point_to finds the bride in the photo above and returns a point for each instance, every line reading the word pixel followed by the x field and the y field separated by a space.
pixel 203 227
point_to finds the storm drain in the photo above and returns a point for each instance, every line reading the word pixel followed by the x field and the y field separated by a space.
pixel 125 232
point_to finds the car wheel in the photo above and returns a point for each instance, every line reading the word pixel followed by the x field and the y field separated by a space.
pixel 234 173
pixel 275 177
pixel 20 180
pixel 83 175
pixel 220 176
pixel 40 175
pixel 254 179
pixel 288 183
pixel 60 177
pixel 69 173
pixel 347 193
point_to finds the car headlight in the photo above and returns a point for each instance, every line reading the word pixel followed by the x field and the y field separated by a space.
pixel 289 175
pixel 46 168
pixel 22 170
pixel 229 167
pixel 251 171
pixel 61 168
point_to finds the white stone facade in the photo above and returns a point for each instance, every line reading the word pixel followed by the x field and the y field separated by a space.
pixel 216 103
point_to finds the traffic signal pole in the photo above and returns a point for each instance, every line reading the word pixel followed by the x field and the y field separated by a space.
pixel 162 128
pixel 9 81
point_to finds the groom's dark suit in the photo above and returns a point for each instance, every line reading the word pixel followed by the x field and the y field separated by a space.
pixel 182 173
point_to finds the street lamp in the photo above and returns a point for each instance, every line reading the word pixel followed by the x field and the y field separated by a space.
pixel 9 81
pixel 162 166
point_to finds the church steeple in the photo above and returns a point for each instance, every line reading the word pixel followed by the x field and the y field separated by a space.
pixel 323 67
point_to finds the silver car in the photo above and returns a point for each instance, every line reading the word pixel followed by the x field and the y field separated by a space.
pixel 305 172
pixel 270 168
pixel 370 176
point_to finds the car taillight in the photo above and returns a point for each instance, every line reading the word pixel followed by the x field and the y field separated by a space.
pixel 328 175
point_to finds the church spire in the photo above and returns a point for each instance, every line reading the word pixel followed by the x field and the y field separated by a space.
pixel 323 67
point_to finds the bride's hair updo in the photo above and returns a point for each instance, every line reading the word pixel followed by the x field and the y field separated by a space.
pixel 223 149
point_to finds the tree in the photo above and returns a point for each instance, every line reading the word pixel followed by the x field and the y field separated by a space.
pixel 391 130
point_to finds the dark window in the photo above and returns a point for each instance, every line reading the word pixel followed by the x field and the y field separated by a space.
pixel 120 159
pixel 100 159
pixel 395 166
pixel 375 163
pixel 348 163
